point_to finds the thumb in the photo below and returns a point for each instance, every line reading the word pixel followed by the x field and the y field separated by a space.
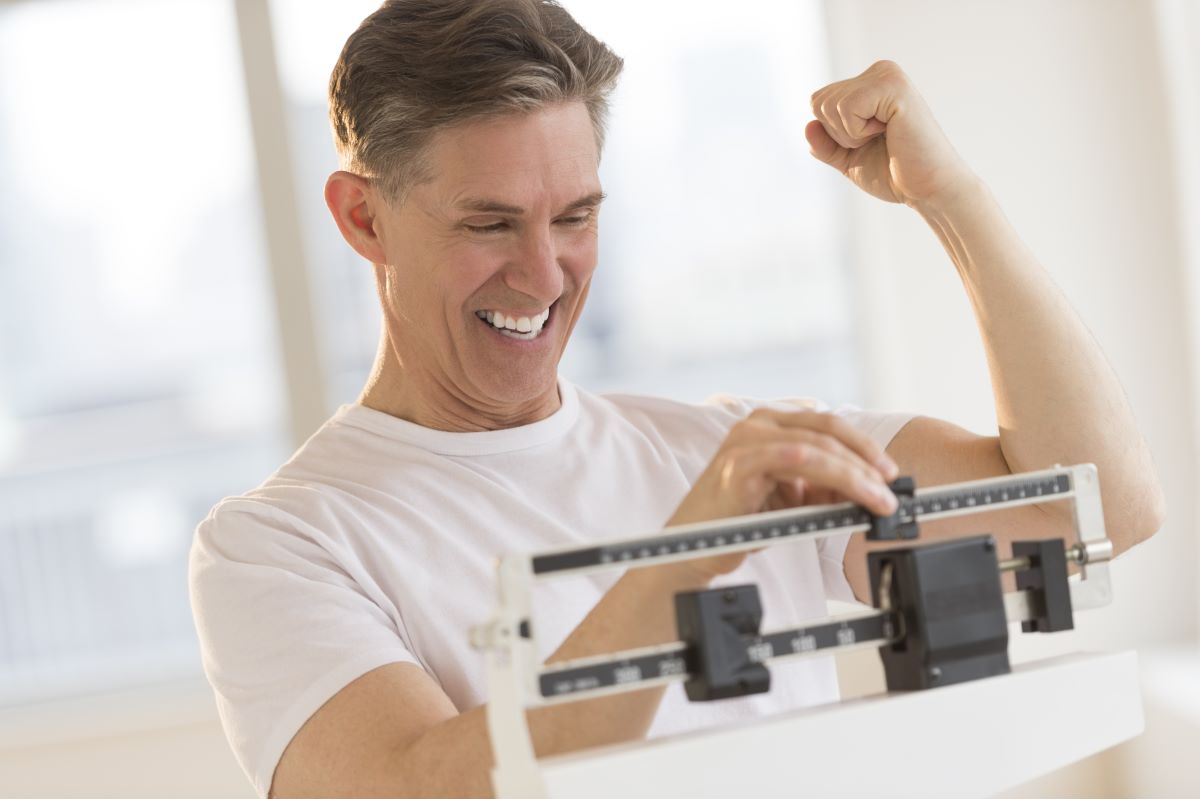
pixel 824 148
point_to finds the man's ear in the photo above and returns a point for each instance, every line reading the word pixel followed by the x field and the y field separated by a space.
pixel 354 203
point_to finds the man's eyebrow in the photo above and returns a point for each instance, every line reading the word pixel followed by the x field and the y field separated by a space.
pixel 595 198
pixel 485 206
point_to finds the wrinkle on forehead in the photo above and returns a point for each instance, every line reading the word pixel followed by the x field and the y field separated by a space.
pixel 518 156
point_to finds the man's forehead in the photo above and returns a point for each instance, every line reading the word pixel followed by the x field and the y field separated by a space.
pixel 512 158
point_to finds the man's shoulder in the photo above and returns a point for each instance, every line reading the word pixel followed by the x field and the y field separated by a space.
pixel 297 500
pixel 275 511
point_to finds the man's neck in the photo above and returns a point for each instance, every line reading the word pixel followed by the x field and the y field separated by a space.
pixel 441 407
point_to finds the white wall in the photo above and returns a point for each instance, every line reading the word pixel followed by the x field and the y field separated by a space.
pixel 1179 32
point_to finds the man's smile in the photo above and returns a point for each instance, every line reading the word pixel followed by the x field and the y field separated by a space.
pixel 515 326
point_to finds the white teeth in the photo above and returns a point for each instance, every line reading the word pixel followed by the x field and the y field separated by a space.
pixel 523 327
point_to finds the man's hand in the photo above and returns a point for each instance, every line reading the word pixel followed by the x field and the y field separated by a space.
pixel 876 130
pixel 778 459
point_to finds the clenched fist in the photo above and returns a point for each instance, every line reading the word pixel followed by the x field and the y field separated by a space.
pixel 876 130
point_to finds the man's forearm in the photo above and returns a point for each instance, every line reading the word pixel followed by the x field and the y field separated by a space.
pixel 1057 399
pixel 454 759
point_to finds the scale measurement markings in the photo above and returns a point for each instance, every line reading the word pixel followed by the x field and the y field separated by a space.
pixel 620 671
pixel 798 522
pixel 628 672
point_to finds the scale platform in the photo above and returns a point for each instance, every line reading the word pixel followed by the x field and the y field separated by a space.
pixel 1041 717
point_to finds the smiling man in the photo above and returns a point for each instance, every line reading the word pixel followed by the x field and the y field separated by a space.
pixel 333 601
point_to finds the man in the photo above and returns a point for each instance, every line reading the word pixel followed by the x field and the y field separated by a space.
pixel 333 601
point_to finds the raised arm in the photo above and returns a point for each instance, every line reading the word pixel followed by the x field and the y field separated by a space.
pixel 1057 399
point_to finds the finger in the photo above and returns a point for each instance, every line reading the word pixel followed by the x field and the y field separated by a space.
pixel 827 115
pixel 856 111
pixel 757 471
pixel 819 495
pixel 824 148
pixel 744 482
pixel 821 102
pixel 787 494
pixel 822 470
pixel 839 429
pixel 792 492
pixel 761 429
pixel 844 481
pixel 751 476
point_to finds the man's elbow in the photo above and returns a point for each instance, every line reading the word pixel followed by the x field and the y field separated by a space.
pixel 1157 517
pixel 1149 515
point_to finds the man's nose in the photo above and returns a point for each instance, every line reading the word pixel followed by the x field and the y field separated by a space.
pixel 535 271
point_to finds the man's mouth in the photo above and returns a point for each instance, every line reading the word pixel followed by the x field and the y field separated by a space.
pixel 523 328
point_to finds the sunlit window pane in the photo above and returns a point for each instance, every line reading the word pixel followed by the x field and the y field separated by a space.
pixel 138 376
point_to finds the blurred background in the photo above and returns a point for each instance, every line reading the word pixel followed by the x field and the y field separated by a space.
pixel 178 311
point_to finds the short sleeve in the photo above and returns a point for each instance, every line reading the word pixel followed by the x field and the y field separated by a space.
pixel 282 628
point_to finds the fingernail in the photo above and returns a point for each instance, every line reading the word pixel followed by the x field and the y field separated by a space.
pixel 888 467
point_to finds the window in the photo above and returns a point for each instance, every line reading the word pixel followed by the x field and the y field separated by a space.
pixel 139 381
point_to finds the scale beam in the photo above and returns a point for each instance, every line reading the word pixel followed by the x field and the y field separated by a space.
pixel 750 532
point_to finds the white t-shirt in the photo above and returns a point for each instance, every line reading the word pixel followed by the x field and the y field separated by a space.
pixel 376 543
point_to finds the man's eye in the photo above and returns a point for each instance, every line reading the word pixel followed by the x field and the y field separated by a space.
pixel 495 227
pixel 577 221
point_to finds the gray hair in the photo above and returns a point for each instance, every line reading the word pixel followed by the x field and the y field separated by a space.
pixel 415 67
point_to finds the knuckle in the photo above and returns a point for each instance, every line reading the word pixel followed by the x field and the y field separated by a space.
pixel 821 440
pixel 802 415
pixel 823 421
pixel 810 454
pixel 741 430
pixel 843 106
pixel 844 431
